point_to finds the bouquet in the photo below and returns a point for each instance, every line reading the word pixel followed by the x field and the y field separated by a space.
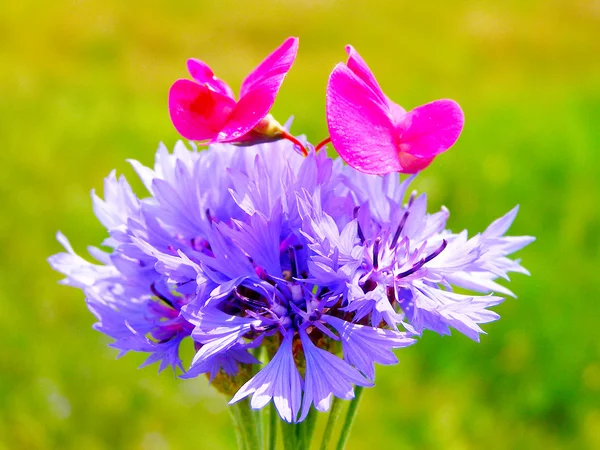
pixel 291 272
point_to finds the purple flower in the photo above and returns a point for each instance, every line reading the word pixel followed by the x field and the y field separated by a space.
pixel 325 268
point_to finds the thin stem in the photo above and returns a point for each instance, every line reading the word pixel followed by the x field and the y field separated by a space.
pixel 309 426
pixel 323 143
pixel 350 418
pixel 238 427
pixel 272 437
pixel 300 435
pixel 291 138
pixel 334 414
pixel 258 415
pixel 245 425
pixel 288 433
pixel 259 354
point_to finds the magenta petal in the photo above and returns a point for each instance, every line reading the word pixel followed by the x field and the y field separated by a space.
pixel 259 90
pixel 203 74
pixel 273 68
pixel 360 127
pixel 358 65
pixel 198 112
pixel 430 129
pixel 249 111
pixel 398 113
pixel 199 70
pixel 412 164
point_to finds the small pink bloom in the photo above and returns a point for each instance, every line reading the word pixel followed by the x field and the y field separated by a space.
pixel 375 135
pixel 205 108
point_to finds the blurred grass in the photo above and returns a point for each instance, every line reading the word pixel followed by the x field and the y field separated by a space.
pixel 83 86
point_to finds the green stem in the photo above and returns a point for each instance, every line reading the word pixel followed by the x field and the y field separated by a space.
pixel 288 433
pixel 349 418
pixel 272 437
pixel 245 425
pixel 297 436
pixel 238 427
pixel 309 426
pixel 334 414
pixel 258 415
pixel 300 443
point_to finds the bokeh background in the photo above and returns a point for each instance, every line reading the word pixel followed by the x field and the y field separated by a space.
pixel 83 86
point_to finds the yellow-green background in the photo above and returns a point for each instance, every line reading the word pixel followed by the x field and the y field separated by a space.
pixel 83 86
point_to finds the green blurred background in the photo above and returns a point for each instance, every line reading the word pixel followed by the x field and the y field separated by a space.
pixel 83 86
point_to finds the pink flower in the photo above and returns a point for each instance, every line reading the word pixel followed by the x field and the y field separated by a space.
pixel 205 108
pixel 375 135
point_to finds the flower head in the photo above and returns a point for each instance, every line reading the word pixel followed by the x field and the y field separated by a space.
pixel 257 252
pixel 375 135
pixel 205 108
pixel 326 268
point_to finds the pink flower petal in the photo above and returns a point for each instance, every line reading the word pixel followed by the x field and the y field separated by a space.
pixel 412 164
pixel 259 90
pixel 199 70
pixel 203 74
pixel 358 65
pixel 274 67
pixel 198 112
pixel 430 129
pixel 360 127
pixel 397 112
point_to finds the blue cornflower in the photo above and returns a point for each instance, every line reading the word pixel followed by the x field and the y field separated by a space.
pixel 325 268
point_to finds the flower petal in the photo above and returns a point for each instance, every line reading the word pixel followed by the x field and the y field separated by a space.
pixel 197 111
pixel 360 127
pixel 227 361
pixel 326 376
pixel 203 74
pixel 258 92
pixel 278 380
pixel 358 65
pixel 273 69
pixel 431 129
pixel 363 345
pixel 217 331
pixel 412 164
